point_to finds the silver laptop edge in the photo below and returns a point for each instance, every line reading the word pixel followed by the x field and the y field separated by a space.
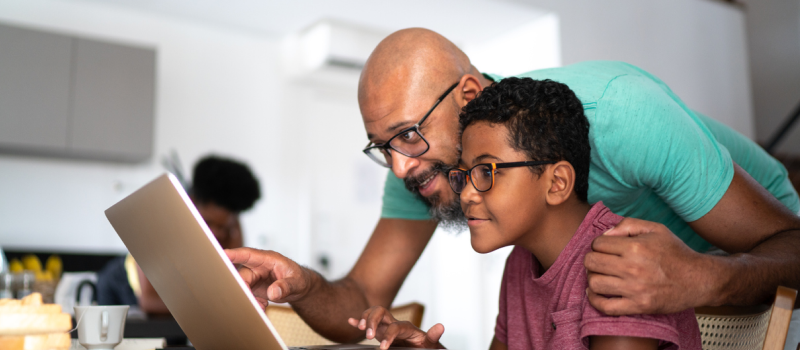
pixel 164 239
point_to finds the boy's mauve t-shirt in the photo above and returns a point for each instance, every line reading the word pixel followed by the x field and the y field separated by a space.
pixel 551 311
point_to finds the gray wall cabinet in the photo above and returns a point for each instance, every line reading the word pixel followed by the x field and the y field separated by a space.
pixel 74 97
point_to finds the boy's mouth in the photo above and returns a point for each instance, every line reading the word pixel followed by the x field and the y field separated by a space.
pixel 474 221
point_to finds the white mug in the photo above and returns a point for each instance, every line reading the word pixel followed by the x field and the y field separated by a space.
pixel 100 327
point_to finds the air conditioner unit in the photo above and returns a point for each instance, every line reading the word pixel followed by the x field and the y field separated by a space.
pixel 330 45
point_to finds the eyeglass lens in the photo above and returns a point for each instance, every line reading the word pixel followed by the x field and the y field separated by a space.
pixel 457 179
pixel 480 176
pixel 409 143
pixel 380 155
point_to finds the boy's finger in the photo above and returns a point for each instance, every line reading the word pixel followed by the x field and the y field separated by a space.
pixel 380 331
pixel 389 334
pixel 435 333
pixel 378 316
pixel 353 322
pixel 373 319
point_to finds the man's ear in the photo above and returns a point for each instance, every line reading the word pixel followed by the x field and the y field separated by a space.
pixel 562 181
pixel 468 87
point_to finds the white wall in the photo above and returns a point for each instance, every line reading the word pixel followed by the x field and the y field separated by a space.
pixel 222 90
pixel 698 47
pixel 773 31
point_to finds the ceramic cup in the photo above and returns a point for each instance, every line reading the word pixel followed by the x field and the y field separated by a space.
pixel 100 327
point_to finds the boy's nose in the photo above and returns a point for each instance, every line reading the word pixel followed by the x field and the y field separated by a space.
pixel 470 195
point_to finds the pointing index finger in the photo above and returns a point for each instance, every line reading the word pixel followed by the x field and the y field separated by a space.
pixel 244 256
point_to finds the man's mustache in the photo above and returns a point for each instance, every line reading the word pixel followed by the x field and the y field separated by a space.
pixel 412 182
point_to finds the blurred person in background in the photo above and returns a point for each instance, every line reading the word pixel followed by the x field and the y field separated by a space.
pixel 221 189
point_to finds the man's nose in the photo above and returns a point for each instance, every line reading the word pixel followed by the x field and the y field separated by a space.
pixel 402 165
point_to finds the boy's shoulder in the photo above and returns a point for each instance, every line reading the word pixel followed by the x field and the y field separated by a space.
pixel 601 217
pixel 598 220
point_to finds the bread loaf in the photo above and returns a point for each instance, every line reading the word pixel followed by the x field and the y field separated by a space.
pixel 52 341
pixel 28 324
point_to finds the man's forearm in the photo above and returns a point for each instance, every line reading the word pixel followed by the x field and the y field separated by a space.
pixel 328 305
pixel 753 277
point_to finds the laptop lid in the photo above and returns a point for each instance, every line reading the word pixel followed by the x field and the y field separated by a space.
pixel 183 261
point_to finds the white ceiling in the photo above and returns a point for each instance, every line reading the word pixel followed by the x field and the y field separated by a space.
pixel 463 21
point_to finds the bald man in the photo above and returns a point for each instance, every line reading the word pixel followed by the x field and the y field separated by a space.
pixel 685 181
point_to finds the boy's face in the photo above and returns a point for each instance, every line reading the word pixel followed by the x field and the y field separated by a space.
pixel 511 208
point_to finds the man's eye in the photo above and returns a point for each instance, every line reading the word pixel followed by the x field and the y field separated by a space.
pixel 408 136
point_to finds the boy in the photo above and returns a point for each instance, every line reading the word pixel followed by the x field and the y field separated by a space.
pixel 542 211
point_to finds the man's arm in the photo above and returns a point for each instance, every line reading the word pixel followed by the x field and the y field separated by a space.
pixel 497 345
pixel 391 252
pixel 626 343
pixel 654 272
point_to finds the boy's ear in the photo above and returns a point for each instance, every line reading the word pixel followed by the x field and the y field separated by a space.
pixel 562 181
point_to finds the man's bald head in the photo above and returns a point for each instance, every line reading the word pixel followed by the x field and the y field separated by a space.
pixel 418 61
pixel 401 80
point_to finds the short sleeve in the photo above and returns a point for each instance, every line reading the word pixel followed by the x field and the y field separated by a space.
pixel 764 168
pixel 645 137
pixel 400 203
pixel 673 331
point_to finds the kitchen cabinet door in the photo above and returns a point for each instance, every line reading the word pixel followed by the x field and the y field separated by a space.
pixel 114 101
pixel 34 90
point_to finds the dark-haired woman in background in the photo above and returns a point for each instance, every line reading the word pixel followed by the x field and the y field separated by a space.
pixel 221 190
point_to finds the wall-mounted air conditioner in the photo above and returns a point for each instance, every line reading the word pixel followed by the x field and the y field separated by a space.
pixel 330 46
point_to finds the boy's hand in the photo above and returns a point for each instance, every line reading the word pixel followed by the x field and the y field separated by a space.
pixel 381 325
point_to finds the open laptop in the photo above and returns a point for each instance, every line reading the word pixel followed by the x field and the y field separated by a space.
pixel 191 273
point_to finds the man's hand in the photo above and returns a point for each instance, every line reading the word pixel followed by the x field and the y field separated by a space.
pixel 381 325
pixel 641 267
pixel 271 276
pixel 649 270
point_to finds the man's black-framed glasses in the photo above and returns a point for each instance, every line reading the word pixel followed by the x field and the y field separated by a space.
pixel 408 142
pixel 482 175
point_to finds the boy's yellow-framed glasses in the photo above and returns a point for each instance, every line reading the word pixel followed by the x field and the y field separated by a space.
pixel 482 175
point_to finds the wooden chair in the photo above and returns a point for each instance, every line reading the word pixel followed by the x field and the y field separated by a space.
pixel 747 328
pixel 295 332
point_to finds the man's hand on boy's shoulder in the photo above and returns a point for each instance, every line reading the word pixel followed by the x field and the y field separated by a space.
pixel 379 324
pixel 641 267
pixel 647 269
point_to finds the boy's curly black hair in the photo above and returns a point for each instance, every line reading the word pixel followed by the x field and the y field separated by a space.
pixel 225 182
pixel 545 121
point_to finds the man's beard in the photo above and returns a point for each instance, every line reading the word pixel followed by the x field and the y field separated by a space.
pixel 448 214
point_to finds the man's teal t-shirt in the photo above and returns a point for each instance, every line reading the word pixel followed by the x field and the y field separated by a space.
pixel 653 158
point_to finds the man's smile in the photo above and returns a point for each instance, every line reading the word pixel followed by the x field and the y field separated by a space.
pixel 428 186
